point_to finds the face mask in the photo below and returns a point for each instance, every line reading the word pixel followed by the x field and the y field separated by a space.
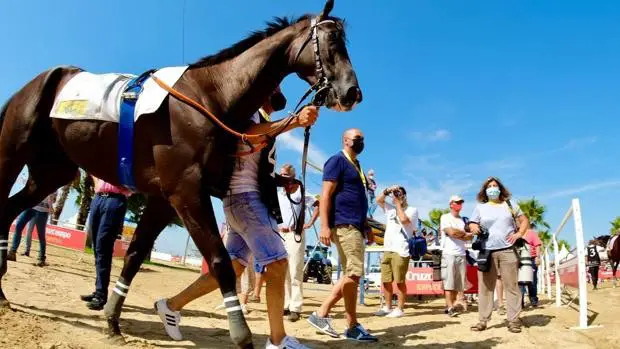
pixel 358 146
pixel 493 193
pixel 457 207
pixel 277 101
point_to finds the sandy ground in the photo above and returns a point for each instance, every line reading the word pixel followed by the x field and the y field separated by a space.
pixel 47 313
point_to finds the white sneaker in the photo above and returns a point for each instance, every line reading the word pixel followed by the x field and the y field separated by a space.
pixel 171 319
pixel 383 311
pixel 396 312
pixel 287 343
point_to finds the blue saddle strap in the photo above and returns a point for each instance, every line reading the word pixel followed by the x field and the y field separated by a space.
pixel 126 129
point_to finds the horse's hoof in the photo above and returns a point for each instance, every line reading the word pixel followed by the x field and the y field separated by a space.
pixel 116 340
pixel 114 328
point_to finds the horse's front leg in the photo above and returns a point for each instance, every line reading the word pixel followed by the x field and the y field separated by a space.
pixel 157 214
pixel 199 219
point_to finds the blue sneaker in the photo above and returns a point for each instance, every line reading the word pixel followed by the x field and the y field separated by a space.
pixel 323 325
pixel 359 334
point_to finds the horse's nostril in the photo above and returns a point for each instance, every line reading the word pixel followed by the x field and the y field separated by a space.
pixel 353 94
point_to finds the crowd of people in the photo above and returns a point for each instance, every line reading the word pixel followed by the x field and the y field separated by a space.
pixel 262 241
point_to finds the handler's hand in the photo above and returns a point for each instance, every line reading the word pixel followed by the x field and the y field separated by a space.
pixel 512 238
pixel 326 236
pixel 474 228
pixel 307 116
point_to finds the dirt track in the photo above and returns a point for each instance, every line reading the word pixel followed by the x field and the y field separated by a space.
pixel 47 313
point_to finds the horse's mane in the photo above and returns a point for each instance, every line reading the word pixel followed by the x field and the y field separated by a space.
pixel 272 27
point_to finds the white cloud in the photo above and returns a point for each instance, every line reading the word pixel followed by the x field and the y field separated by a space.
pixel 289 141
pixel 582 188
pixel 432 136
pixel 577 143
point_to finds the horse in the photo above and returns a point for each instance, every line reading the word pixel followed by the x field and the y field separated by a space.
pixel 184 151
pixel 613 252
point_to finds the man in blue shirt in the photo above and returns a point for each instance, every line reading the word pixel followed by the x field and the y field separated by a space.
pixel 343 208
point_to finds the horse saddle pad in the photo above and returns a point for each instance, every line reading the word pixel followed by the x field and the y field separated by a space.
pixel 89 96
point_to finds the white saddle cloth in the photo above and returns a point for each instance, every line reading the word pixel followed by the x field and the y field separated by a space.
pixel 89 96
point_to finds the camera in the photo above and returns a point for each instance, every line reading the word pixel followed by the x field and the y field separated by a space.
pixel 481 239
pixel 397 192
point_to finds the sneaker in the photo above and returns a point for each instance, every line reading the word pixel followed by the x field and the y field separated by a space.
pixel 26 253
pixel 88 297
pixel 97 303
pixel 452 312
pixel 383 311
pixel 287 343
pixel 41 263
pixel 294 316
pixel 359 334
pixel 11 256
pixel 171 319
pixel 395 313
pixel 287 312
pixel 244 309
pixel 323 324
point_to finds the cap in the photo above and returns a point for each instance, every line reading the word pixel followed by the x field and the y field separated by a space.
pixel 455 198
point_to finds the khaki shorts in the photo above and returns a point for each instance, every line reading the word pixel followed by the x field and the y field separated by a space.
pixel 350 244
pixel 394 267
pixel 453 273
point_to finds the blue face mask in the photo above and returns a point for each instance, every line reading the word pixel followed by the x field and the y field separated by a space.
pixel 493 193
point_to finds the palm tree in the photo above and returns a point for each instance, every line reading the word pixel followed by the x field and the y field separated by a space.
pixel 535 212
pixel 615 226
pixel 434 218
pixel 59 205
pixel 545 237
pixel 563 243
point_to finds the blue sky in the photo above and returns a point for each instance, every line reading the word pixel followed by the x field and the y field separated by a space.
pixel 453 91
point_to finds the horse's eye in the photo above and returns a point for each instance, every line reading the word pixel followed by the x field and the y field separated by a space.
pixel 333 36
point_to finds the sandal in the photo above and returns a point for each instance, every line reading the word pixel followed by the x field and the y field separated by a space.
pixel 479 327
pixel 514 326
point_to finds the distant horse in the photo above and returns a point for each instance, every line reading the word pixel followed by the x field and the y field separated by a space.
pixel 182 156
pixel 612 246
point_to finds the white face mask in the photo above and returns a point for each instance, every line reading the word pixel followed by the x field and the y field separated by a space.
pixel 493 193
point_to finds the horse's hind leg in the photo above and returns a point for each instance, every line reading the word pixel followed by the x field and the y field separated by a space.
pixel 199 219
pixel 157 214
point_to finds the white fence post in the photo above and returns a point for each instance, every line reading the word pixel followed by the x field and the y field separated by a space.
pixel 581 266
pixel 548 272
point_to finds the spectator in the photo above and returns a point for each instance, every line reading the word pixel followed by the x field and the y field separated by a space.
pixel 291 208
pixel 343 211
pixel 453 263
pixel 372 187
pixel 534 244
pixel 496 214
pixel 35 216
pixel 594 262
pixel 401 223
pixel 107 216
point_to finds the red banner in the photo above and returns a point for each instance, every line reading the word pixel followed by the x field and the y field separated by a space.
pixel 59 236
pixel 419 281
pixel 70 238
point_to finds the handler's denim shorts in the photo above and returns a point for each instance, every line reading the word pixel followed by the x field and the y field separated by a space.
pixel 252 231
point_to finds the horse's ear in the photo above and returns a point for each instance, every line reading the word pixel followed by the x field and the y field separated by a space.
pixel 329 5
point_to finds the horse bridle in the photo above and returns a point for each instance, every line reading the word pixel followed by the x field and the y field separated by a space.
pixel 320 89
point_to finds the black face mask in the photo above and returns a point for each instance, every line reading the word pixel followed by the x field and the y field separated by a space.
pixel 358 146
pixel 277 101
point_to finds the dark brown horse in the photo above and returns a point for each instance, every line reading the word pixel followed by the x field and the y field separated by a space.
pixel 181 157
pixel 613 252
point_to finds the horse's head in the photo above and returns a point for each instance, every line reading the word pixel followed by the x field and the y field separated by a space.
pixel 321 59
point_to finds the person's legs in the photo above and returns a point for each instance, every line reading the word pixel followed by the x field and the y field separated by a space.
pixel 594 276
pixel 21 221
pixel 29 230
pixel 532 289
pixel 509 268
pixel 295 276
pixel 40 219
pixel 486 286
pixel 274 276
pixel 400 265
pixel 112 213
pixel 387 278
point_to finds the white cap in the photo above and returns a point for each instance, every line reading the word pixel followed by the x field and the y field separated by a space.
pixel 455 198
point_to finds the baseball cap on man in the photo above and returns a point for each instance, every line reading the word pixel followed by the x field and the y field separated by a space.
pixel 455 198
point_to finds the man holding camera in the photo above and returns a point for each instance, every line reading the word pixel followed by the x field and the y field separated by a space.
pixel 401 224
pixel 453 260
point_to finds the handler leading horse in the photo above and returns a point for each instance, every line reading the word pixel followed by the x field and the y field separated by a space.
pixel 181 157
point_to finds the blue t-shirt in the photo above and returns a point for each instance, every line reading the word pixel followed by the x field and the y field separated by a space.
pixel 349 202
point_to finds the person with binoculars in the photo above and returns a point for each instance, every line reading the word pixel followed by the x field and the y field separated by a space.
pixel 505 223
pixel 401 223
